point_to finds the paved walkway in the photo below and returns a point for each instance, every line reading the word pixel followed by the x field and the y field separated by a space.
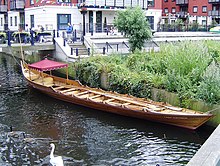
pixel 209 153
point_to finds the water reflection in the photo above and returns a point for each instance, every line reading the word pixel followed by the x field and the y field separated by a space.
pixel 82 136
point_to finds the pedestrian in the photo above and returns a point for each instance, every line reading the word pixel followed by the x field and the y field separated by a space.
pixel 69 31
pixel 26 28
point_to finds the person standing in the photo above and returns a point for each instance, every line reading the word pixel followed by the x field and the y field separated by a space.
pixel 27 28
pixel 69 31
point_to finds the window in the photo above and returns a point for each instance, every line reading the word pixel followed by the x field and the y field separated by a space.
pixel 16 21
pixel 204 9
pixel 63 1
pixel 32 2
pixel 150 19
pixel 166 10
pixel 32 20
pixel 195 9
pixel 204 22
pixel 11 24
pixel 5 2
pixel 173 10
pixel 63 20
pixel 150 2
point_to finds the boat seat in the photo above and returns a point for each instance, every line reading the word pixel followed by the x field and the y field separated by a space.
pixel 125 104
pixel 59 87
pixel 84 96
pixel 72 93
pixel 93 97
pixel 45 81
pixel 34 77
pixel 68 90
pixel 49 85
pixel 108 100
pixel 82 93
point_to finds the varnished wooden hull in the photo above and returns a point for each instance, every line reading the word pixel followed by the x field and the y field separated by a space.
pixel 190 121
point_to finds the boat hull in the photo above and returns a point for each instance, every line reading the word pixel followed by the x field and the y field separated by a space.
pixel 73 92
pixel 184 121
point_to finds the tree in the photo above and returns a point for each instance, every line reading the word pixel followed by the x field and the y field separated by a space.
pixel 133 23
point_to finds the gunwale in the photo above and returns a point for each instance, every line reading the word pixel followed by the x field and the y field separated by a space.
pixel 74 92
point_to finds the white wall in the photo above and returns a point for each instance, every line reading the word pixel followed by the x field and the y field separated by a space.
pixel 200 19
pixel 3 21
pixel 47 15
pixel 157 15
pixel 12 26
pixel 127 3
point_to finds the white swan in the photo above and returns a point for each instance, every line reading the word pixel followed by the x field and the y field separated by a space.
pixel 55 161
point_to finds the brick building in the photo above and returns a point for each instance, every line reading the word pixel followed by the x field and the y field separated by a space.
pixel 203 12
pixel 55 14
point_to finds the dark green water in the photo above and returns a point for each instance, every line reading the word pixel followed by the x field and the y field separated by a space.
pixel 82 136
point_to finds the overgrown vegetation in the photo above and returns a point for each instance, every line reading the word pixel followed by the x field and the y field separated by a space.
pixel 190 69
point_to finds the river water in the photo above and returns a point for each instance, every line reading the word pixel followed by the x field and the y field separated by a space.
pixel 82 136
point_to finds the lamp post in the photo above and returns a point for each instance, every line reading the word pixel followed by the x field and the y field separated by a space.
pixel 83 12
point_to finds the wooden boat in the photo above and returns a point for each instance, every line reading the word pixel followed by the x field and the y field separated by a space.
pixel 126 105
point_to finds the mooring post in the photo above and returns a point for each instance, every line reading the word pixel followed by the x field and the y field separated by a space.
pixel 77 52
pixel 32 37
pixel 75 35
pixel 58 35
pixel 9 38
pixel 71 51
pixel 54 36
pixel 103 50
pixel 88 51
pixel 64 42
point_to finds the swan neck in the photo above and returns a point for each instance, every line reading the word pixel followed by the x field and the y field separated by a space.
pixel 51 153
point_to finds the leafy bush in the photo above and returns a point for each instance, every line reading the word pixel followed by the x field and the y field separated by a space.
pixel 209 88
pixel 88 73
pixel 186 68
pixel 124 81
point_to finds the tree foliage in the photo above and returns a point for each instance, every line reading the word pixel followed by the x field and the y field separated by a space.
pixel 133 23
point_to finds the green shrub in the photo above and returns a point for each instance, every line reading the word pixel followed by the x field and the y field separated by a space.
pixel 209 88
pixel 88 73
pixel 186 68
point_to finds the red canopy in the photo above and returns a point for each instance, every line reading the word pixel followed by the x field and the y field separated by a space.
pixel 46 65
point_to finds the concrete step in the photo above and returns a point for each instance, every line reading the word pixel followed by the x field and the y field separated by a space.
pixel 82 50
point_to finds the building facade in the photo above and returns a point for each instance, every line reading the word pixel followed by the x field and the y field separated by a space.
pixel 56 14
pixel 202 12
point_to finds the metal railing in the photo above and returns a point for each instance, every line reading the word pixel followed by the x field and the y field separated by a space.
pixel 98 28
pixel 214 1
pixel 3 8
pixel 182 28
pixel 182 2
pixel 17 4
pixel 32 37
pixel 214 13
pixel 125 44
pixel 108 4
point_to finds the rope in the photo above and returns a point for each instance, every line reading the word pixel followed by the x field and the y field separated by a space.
pixel 15 58
pixel 22 55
